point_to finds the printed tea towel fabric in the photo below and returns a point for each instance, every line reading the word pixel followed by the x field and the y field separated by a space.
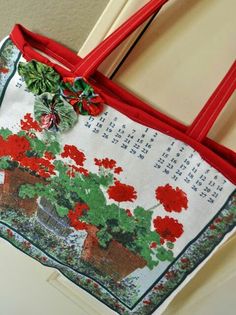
pixel 125 202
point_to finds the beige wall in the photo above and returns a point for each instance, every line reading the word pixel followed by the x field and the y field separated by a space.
pixel 67 21
pixel 183 56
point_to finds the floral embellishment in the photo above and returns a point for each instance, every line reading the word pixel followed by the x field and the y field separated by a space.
pixel 81 96
pixel 122 192
pixel 168 228
pixel 38 77
pixel 54 113
pixel 58 99
pixel 172 199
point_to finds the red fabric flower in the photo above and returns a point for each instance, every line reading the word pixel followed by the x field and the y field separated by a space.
pixel 72 152
pixel 168 228
pixel 82 96
pixel 74 216
pixel 172 199
pixel 94 106
pixel 28 123
pixel 122 192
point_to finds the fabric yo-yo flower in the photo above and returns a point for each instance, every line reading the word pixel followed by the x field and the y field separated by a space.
pixel 54 113
pixel 38 77
pixel 81 96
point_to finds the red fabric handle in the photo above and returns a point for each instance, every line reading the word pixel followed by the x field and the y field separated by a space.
pixel 212 109
pixel 92 61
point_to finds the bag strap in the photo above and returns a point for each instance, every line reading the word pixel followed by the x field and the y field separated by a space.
pixel 92 61
pixel 205 120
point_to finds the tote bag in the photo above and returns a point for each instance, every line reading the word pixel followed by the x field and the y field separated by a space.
pixel 124 201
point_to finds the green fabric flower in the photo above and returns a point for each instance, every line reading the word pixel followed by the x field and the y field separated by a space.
pixel 54 113
pixel 38 77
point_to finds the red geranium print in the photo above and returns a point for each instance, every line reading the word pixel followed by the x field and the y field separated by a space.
pixel 74 216
pixel 49 155
pixel 75 169
pixel 168 228
pixel 72 152
pixel 40 166
pixel 14 146
pixel 122 192
pixel 172 199
pixel 106 163
pixel 118 170
pixel 27 123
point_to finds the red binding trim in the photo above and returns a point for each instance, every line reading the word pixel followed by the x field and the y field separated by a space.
pixel 216 103
pixel 91 62
pixel 220 157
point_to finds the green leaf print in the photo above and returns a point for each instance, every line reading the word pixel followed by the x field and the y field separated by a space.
pixel 5 132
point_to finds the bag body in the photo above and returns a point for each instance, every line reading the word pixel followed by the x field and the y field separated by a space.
pixel 124 201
